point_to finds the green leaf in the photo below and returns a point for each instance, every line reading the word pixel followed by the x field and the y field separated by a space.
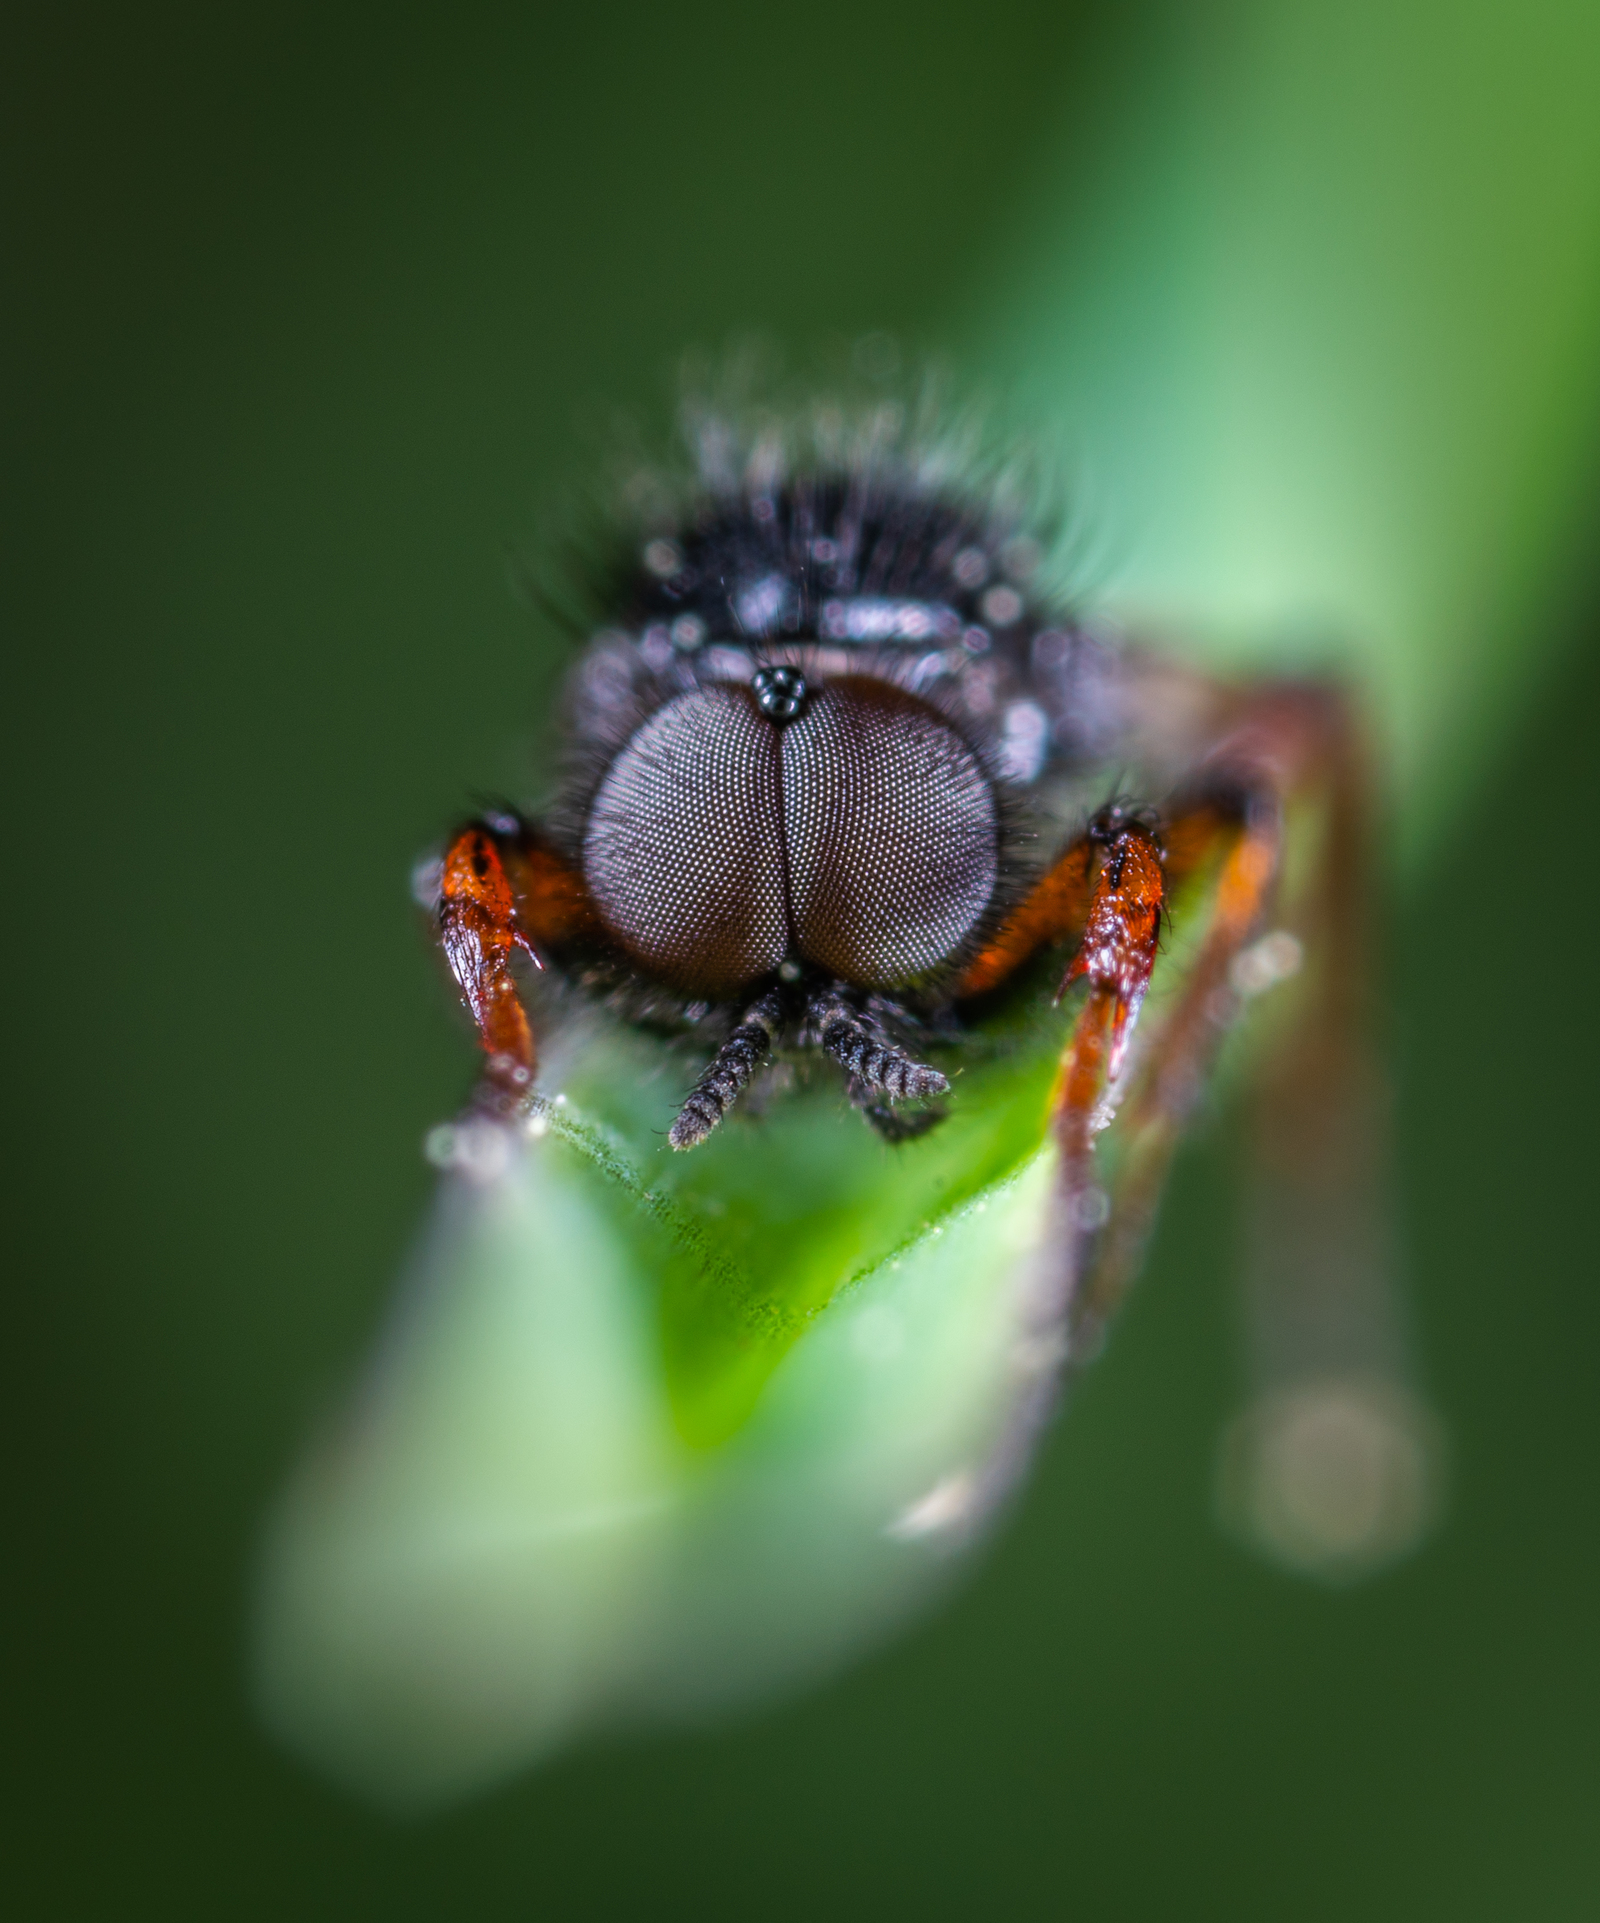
pixel 609 1464
pixel 751 1236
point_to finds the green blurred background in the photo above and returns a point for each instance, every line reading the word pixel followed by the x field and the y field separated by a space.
pixel 309 311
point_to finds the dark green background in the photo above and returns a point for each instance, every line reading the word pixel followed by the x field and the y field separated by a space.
pixel 308 313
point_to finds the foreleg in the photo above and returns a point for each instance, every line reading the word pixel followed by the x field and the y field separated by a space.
pixel 731 1068
pixel 1243 825
pixel 1115 958
pixel 504 887
pixel 1322 1289
pixel 867 1056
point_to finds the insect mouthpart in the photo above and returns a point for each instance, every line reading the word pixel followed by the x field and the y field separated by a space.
pixel 780 692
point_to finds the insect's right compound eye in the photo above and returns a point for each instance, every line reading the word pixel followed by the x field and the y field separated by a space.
pixel 683 854
pixel 891 834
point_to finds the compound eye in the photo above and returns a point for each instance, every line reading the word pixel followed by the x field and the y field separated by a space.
pixel 890 829
pixel 683 853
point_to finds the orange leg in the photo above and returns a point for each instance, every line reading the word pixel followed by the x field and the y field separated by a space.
pixel 1115 958
pixel 1325 1321
pixel 1109 890
pixel 504 888
pixel 1286 742
pixel 1107 1242
pixel 1057 906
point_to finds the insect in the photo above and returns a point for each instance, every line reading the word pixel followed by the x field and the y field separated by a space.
pixel 688 1399
pixel 839 784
